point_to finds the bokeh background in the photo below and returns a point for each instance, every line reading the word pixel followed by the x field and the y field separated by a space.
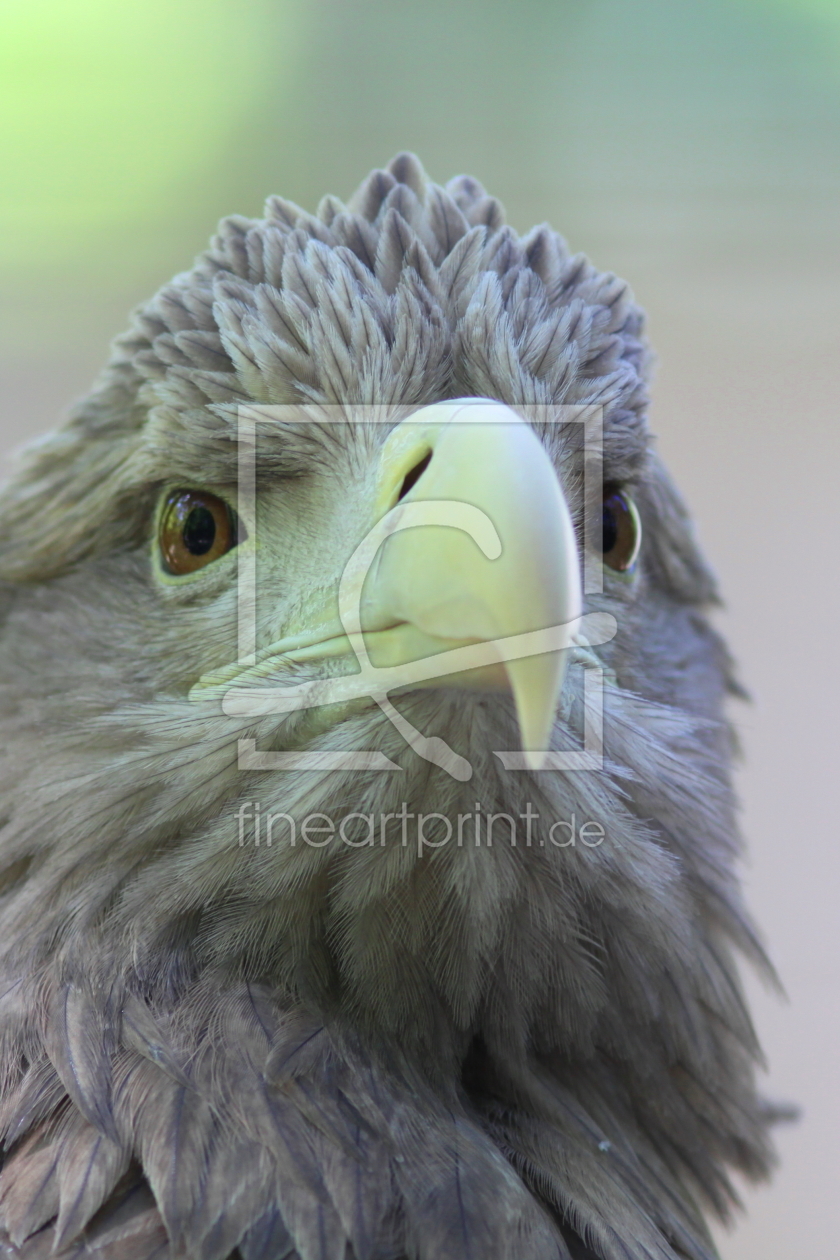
pixel 692 146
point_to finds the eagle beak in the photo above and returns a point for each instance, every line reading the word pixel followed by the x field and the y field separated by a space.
pixel 481 550
pixel 469 576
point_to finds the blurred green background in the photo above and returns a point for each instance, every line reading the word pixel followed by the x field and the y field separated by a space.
pixel 692 146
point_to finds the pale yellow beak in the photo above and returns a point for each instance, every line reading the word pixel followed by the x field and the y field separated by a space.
pixel 482 550
pixel 468 576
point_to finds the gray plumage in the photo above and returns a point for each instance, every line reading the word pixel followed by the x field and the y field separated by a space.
pixel 342 1053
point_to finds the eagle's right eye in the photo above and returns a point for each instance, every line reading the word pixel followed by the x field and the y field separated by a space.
pixel 195 529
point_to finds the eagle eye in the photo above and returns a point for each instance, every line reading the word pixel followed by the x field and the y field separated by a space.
pixel 621 529
pixel 195 529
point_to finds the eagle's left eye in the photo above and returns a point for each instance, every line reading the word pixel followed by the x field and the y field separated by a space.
pixel 195 529
pixel 621 529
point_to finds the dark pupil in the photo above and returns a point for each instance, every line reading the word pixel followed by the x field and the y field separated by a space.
pixel 609 527
pixel 199 532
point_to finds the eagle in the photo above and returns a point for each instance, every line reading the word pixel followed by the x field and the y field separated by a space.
pixel 368 851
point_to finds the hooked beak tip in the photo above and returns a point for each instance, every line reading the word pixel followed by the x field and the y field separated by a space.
pixel 536 683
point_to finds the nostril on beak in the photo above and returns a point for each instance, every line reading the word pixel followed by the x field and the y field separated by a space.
pixel 412 477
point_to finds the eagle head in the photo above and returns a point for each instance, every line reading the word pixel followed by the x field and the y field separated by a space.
pixel 366 859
